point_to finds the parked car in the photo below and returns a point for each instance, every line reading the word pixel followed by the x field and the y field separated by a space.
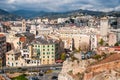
pixel 54 78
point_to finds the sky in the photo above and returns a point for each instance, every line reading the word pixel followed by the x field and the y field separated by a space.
pixel 60 5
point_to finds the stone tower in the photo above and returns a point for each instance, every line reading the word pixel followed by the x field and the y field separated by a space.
pixel 104 26
pixel 23 25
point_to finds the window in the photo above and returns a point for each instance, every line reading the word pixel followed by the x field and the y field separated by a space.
pixel 43 53
pixel 8 58
pixel 43 46
pixel 43 49
pixel 48 45
pixel 43 56
pixel 52 46
pixel 38 46
pixel 48 49
pixel 52 59
pixel 48 56
pixel 12 64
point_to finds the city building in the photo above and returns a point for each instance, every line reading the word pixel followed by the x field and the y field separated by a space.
pixel 48 50
pixel 33 29
pixel 112 40
pixel 93 42
pixel 23 25
pixel 104 27
pixel 2 44
pixel 15 59
pixel 3 48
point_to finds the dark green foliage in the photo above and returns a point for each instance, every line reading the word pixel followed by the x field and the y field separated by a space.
pixel 63 56
pixel 97 57
pixel 116 44
pixel 101 42
pixel 21 77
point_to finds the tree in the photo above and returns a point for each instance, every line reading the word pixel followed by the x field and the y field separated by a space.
pixel 106 44
pixel 101 42
pixel 97 57
pixel 63 56
pixel 116 44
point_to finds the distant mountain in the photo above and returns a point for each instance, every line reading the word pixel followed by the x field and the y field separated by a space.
pixel 15 15
pixel 32 14
pixel 114 13
pixel 25 13
pixel 5 16
pixel 3 12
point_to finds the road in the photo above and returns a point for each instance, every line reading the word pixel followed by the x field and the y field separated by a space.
pixel 31 68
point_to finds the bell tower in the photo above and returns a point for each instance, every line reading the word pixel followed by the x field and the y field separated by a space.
pixel 23 25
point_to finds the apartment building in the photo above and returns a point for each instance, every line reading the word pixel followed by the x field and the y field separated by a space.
pixel 48 50
pixel 15 59
pixel 3 49
pixel 2 44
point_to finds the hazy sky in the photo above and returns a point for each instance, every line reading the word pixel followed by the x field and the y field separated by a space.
pixel 60 5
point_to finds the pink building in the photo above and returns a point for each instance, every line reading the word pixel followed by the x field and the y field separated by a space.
pixel 112 39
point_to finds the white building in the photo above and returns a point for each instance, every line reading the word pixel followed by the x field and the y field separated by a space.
pixel 61 20
pixel 93 41
pixel 104 26
pixel 33 29
pixel 14 59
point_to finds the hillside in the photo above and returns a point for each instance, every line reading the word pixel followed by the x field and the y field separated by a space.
pixel 32 14
pixel 15 15
pixel 5 16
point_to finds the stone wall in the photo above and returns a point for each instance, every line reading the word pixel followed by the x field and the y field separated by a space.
pixel 100 68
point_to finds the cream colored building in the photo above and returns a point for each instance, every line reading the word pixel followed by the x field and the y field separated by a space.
pixel 112 39
pixel 104 28
pixel 13 40
pixel 14 59
pixel 75 35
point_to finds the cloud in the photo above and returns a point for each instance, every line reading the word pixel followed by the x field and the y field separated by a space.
pixel 58 5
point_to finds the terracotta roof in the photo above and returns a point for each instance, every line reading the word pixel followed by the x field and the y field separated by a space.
pixel 116 47
pixel 1 35
pixel 111 58
pixel 22 39
pixel 59 61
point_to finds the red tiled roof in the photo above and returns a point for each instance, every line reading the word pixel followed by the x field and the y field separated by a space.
pixel 116 47
pixel 1 35
pixel 22 39
pixel 59 61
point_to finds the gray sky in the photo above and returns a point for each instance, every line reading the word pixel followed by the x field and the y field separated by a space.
pixel 60 5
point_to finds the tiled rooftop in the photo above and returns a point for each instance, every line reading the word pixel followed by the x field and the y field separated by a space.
pixel 1 35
